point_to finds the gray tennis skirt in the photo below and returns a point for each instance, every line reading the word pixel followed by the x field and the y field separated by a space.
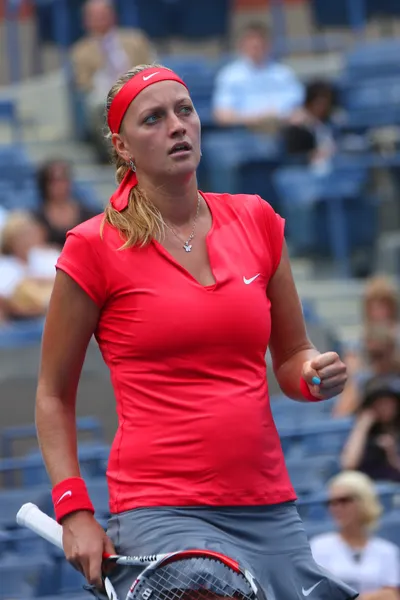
pixel 270 541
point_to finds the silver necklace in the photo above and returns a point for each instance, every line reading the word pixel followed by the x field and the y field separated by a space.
pixel 187 246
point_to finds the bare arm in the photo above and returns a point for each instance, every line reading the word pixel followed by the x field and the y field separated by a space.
pixel 356 444
pixel 289 343
pixel 382 594
pixel 294 356
pixel 228 117
pixel 70 323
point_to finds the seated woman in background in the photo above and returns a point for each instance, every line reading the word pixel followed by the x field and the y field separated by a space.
pixel 367 563
pixel 27 268
pixel 374 444
pixel 378 356
pixel 309 134
pixel 59 210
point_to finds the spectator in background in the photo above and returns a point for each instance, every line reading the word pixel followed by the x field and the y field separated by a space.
pixel 369 564
pixel 99 59
pixel 309 133
pixel 380 307
pixel 59 210
pixel 381 303
pixel 374 444
pixel 254 90
pixel 378 357
pixel 27 268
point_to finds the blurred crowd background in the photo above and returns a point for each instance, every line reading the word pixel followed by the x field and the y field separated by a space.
pixel 300 103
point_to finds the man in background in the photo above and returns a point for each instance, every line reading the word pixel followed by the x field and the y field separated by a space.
pixel 253 89
pixel 100 57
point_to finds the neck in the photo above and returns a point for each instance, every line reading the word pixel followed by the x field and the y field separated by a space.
pixel 177 201
pixel 354 536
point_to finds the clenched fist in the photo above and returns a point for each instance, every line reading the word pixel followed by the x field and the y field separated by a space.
pixel 325 375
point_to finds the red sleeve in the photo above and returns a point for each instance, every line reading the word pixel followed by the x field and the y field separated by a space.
pixel 275 231
pixel 80 260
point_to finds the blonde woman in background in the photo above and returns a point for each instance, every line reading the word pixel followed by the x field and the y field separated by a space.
pixel 380 313
pixel 369 564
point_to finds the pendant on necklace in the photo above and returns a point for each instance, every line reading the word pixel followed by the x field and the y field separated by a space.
pixel 188 247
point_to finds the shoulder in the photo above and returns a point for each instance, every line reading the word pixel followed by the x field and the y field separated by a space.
pixel 384 548
pixel 131 36
pixel 81 47
pixel 232 72
pixel 89 229
pixel 258 210
pixel 281 71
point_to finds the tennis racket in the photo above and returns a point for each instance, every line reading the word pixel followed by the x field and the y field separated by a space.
pixel 183 575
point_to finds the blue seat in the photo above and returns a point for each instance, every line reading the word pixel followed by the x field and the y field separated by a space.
pixel 21 333
pixel 323 438
pixel 314 528
pixel 255 177
pixel 327 212
pixel 27 578
pixel 314 507
pixel 372 60
pixel 12 500
pixel 98 491
pixel 336 14
pixel 309 475
pixel 205 19
pixel 93 459
pixel 12 435
pixel 389 527
pixel 184 19
pixel 9 114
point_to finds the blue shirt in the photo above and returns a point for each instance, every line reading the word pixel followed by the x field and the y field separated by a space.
pixel 251 90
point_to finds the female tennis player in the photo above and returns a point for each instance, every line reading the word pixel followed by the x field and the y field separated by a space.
pixel 184 291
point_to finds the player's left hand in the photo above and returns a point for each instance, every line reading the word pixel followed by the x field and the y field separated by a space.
pixel 331 372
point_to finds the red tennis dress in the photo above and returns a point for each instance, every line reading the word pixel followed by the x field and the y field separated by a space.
pixel 187 362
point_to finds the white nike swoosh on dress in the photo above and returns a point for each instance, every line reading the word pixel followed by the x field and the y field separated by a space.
pixel 146 77
pixel 247 281
pixel 311 589
pixel 68 493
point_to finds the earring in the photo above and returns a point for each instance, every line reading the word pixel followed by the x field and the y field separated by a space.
pixel 132 165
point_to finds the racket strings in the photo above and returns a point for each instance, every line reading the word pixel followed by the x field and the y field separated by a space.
pixel 194 579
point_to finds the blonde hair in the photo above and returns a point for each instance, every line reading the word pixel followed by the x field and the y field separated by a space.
pixel 363 488
pixel 141 221
pixel 381 289
pixel 14 223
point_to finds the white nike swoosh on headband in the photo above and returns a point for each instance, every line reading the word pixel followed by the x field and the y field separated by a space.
pixel 146 77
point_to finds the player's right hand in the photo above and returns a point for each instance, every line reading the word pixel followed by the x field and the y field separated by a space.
pixel 85 542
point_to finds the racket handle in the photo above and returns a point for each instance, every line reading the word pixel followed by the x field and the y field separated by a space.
pixel 30 516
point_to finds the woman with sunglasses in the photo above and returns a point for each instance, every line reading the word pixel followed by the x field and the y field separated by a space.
pixel 369 564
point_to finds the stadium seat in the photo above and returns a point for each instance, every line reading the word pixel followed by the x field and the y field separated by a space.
pixel 372 60
pixel 255 177
pixel 389 527
pixel 314 528
pixel 309 475
pixel 327 212
pixel 9 115
pixel 314 508
pixel 13 435
pixel 12 500
pixel 205 19
pixel 25 579
pixel 323 438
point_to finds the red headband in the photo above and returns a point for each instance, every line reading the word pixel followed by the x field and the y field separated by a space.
pixel 116 113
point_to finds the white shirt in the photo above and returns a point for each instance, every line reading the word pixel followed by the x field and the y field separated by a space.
pixel 41 265
pixel 375 567
pixel 252 90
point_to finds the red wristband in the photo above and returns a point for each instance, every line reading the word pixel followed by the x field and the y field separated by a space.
pixel 305 392
pixel 70 495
